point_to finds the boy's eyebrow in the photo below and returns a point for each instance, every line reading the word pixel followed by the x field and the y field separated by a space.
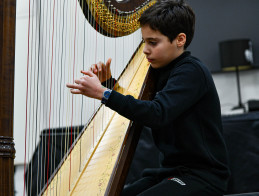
pixel 150 38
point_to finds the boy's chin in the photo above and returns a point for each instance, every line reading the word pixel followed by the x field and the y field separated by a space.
pixel 156 66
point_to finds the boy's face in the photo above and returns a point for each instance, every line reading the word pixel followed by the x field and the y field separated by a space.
pixel 158 49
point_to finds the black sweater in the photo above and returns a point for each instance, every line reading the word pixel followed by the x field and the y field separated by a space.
pixel 185 119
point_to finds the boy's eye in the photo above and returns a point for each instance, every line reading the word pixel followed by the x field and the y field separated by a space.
pixel 152 43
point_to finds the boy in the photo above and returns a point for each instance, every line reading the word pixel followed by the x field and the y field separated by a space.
pixel 184 115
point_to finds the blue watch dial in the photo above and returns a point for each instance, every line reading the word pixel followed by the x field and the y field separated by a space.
pixel 106 95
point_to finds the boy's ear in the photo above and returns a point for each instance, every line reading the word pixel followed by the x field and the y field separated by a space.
pixel 181 39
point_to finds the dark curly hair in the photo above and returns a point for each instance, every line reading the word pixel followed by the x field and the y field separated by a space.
pixel 170 17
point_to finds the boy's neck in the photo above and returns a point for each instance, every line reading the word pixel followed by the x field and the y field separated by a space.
pixel 179 57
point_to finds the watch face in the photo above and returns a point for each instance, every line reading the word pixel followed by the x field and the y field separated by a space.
pixel 106 94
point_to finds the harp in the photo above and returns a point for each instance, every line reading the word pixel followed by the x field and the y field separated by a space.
pixel 94 157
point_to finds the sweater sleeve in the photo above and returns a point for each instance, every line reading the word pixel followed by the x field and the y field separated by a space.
pixel 185 86
pixel 110 83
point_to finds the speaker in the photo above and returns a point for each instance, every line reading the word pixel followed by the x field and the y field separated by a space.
pixel 236 53
pixel 253 105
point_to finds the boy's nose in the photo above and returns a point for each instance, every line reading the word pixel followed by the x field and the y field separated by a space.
pixel 145 50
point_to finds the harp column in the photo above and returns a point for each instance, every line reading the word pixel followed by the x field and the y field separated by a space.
pixel 7 52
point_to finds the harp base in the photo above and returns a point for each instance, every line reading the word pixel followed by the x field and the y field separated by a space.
pixel 7 154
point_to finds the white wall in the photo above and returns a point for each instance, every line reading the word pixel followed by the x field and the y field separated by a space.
pixel 20 92
pixel 20 77
pixel 227 89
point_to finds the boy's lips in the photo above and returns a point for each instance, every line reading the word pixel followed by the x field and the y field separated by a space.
pixel 149 60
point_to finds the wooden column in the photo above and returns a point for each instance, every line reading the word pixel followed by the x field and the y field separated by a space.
pixel 7 52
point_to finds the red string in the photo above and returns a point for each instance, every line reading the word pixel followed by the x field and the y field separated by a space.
pixel 28 53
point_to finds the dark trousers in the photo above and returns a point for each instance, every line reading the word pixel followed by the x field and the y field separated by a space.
pixel 184 185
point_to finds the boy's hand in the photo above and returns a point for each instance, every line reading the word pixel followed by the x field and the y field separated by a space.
pixel 103 71
pixel 88 85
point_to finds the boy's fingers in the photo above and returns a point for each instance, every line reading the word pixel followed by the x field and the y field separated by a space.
pixel 71 85
pixel 99 67
pixel 100 64
pixel 86 72
pixel 78 81
pixel 94 68
pixel 90 73
pixel 76 87
pixel 83 72
pixel 75 91
pixel 108 63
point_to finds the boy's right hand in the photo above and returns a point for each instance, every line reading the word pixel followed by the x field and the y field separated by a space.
pixel 103 71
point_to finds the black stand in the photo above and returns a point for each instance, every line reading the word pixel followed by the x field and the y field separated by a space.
pixel 240 105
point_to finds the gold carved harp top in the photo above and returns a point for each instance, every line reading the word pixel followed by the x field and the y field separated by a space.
pixel 114 18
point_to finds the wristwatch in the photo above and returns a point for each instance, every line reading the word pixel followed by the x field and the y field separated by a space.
pixel 106 95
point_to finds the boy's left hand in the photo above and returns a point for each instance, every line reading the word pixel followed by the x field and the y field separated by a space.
pixel 88 85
